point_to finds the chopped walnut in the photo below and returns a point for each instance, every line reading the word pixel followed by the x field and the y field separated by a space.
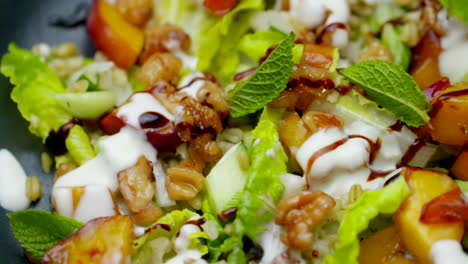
pixel 137 185
pixel 196 119
pixel 136 12
pixel 300 213
pixel 160 67
pixel 376 51
pixel 164 38
pixel 212 95
pixel 184 183
pixel 149 214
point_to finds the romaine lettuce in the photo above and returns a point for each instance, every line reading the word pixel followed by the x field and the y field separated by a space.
pixel 263 189
pixel 35 88
pixel 359 215
pixel 78 145
pixel 145 252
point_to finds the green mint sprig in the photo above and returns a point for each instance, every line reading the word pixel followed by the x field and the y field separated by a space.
pixel 271 77
pixel 38 230
pixel 391 87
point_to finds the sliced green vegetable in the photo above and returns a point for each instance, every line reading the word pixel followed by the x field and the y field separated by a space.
pixel 226 178
pixel 145 252
pixel 401 52
pixel 38 230
pixel 359 215
pixel 79 146
pixel 88 105
pixel 263 189
pixel 256 44
pixel 457 7
pixel 391 87
pixel 35 87
pixel 271 77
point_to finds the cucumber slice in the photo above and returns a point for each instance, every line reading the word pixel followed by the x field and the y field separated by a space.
pixel 87 105
pixel 226 179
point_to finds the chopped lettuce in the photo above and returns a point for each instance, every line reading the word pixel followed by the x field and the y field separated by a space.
pixel 255 45
pixel 383 13
pixel 146 252
pixel 391 38
pixel 218 50
pixel 359 215
pixel 35 88
pixel 257 203
pixel 78 145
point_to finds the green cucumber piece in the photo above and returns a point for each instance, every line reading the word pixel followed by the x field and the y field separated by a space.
pixel 88 105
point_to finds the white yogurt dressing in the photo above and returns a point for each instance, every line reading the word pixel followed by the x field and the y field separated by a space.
pixel 448 251
pixel 453 61
pixel 181 244
pixel 311 13
pixel 12 183
pixel 118 152
pixel 96 201
pixel 337 170
pixel 192 89
pixel 138 104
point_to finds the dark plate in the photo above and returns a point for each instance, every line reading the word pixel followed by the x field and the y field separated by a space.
pixel 26 22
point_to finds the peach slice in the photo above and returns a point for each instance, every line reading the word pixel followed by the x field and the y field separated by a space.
pixel 102 240
pixel 418 237
pixel 113 35
pixel 425 61
pixel 449 115
pixel 460 167
pixel 391 252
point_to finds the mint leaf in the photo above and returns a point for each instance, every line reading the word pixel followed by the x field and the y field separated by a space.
pixel 269 80
pixel 457 7
pixel 38 230
pixel 391 87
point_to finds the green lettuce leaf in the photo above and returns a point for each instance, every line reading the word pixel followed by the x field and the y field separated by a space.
pixel 255 45
pixel 218 50
pixel 79 146
pixel 257 203
pixel 38 230
pixel 35 88
pixel 392 39
pixel 383 13
pixel 144 251
pixel 359 215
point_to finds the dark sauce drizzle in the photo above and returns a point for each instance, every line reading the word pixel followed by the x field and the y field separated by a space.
pixel 227 214
pixel 252 250
pixel 74 19
pixel 411 152
pixel 156 226
pixel 439 103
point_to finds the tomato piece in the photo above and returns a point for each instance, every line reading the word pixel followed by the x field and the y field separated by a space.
pixel 449 207
pixel 220 7
pixel 111 124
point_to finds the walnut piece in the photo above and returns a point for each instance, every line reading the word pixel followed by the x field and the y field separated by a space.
pixel 300 214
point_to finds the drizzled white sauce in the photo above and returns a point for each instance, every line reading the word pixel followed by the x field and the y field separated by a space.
pixel 12 183
pixel 192 89
pixel 311 13
pixel 453 61
pixel 96 201
pixel 181 244
pixel 292 184
pixel 138 104
pixel 336 171
pixel 118 152
pixel 448 251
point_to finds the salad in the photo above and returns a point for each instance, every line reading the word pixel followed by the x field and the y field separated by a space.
pixel 248 131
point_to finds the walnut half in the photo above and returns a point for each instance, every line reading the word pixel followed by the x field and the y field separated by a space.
pixel 300 213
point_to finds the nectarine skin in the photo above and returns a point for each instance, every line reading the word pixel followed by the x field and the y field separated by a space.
pixel 119 40
pixel 102 240
pixel 418 237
